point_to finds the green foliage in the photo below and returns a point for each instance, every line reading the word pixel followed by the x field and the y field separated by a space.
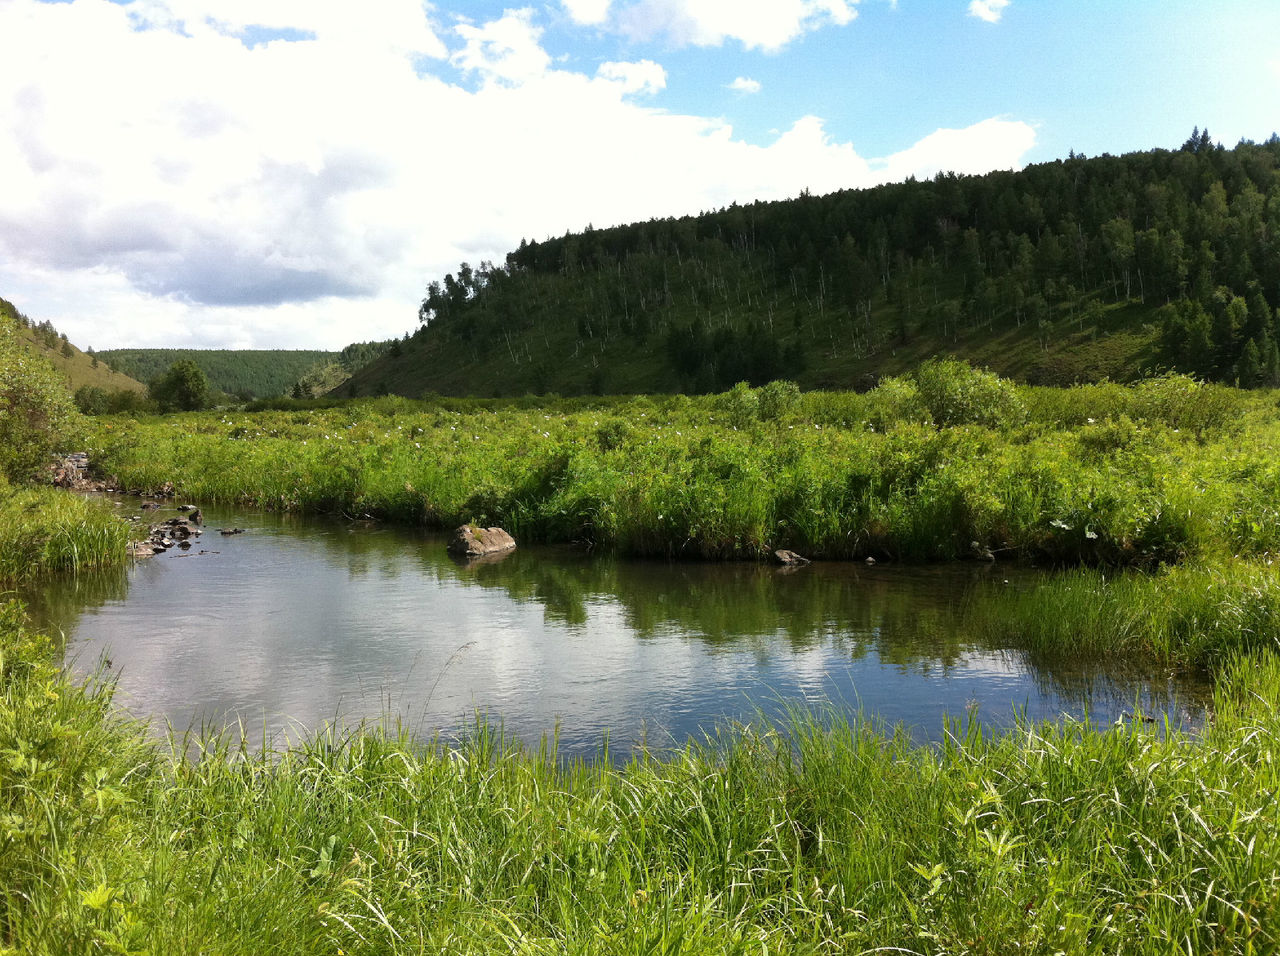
pixel 740 405
pixel 35 409
pixel 895 401
pixel 777 399
pixel 44 530
pixel 1101 474
pixel 183 388
pixel 93 400
pixel 955 393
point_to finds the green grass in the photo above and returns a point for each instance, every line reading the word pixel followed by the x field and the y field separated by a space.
pixel 818 835
pixel 1104 475
pixel 1197 615
pixel 44 530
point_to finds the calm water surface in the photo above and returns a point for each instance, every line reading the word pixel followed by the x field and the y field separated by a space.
pixel 302 621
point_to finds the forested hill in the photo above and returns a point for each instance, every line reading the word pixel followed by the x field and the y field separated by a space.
pixel 249 373
pixel 1071 270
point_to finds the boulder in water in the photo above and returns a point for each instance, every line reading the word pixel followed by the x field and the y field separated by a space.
pixel 470 541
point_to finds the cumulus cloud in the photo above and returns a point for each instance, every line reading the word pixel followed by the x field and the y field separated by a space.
pixel 643 76
pixel 589 12
pixel 505 50
pixel 765 25
pixel 989 10
pixel 745 84
pixel 969 150
pixel 250 174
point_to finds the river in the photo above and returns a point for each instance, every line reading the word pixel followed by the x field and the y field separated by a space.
pixel 302 621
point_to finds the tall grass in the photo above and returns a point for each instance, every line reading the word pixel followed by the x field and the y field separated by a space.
pixel 1198 615
pixel 818 835
pixel 44 530
pixel 1163 471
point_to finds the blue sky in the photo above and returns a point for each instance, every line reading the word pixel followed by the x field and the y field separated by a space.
pixel 291 173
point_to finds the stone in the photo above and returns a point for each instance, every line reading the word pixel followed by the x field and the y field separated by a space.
pixel 470 541
pixel 790 558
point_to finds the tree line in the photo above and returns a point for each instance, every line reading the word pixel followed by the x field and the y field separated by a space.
pixel 1186 238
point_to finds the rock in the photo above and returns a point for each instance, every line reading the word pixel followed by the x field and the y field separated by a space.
pixel 870 562
pixel 981 551
pixel 472 542
pixel 790 558
pixel 229 531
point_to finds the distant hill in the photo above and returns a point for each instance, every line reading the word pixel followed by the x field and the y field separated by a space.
pixel 255 373
pixel 80 368
pixel 1072 270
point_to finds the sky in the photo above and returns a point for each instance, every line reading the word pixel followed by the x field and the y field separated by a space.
pixel 292 173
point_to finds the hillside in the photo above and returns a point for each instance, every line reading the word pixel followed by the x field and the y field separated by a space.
pixel 1073 270
pixel 80 368
pixel 252 373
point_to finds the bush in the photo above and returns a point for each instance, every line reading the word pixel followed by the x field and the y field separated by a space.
pixel 956 393
pixel 776 400
pixel 1186 404
pixel 740 405
pixel 183 388
pixel 35 409
pixel 895 401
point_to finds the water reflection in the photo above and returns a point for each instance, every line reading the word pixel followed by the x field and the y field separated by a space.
pixel 301 621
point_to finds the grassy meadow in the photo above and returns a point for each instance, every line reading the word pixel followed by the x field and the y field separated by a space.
pixel 948 465
pixel 824 833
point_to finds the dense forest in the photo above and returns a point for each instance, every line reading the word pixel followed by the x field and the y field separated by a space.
pixel 1072 270
pixel 254 373
pixel 248 373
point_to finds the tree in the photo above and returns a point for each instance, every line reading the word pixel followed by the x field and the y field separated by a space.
pixel 35 409
pixel 184 387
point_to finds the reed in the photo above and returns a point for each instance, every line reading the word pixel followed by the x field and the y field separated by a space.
pixel 1198 615
pixel 43 530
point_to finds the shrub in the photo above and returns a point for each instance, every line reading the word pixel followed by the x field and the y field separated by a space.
pixel 956 393
pixel 895 401
pixel 776 400
pixel 184 388
pixel 35 409
pixel 1182 402
pixel 740 405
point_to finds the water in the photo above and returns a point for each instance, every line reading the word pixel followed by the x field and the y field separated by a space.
pixel 302 621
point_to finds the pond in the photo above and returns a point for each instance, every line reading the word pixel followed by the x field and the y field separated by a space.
pixel 302 621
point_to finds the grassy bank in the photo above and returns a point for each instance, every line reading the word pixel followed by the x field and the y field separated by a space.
pixel 1197 615
pixel 914 470
pixel 819 836
pixel 44 530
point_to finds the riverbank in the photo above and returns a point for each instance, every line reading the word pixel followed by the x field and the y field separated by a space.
pixel 1098 475
pixel 47 530
pixel 818 835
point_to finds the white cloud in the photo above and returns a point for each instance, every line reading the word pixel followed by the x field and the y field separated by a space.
pixel 766 25
pixel 588 12
pixel 989 10
pixel 166 187
pixel 507 50
pixel 745 84
pixel 643 76
pixel 971 150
